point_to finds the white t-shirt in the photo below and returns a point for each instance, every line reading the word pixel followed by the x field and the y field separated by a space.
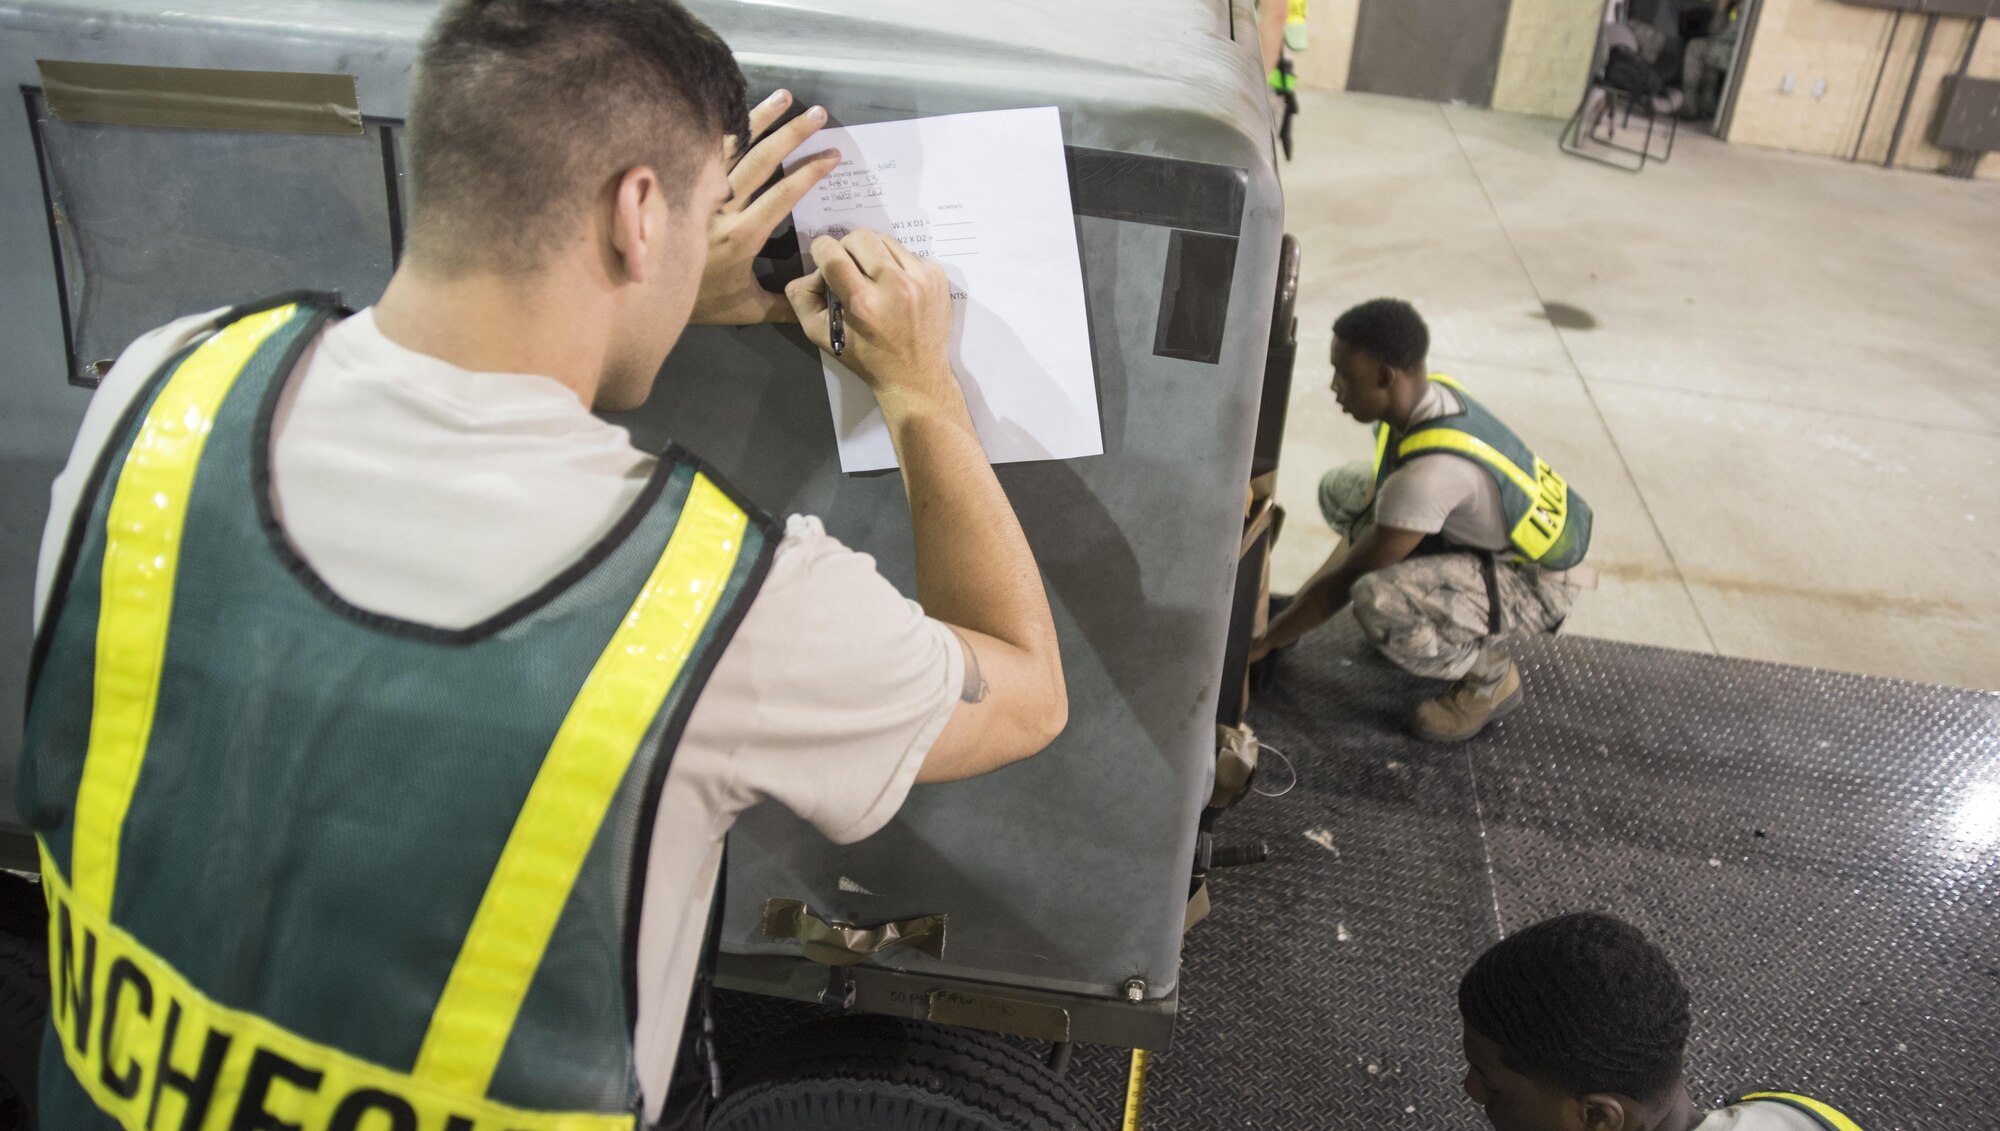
pixel 1444 493
pixel 1758 1115
pixel 431 493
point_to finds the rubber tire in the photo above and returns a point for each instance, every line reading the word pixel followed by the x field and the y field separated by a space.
pixel 882 1074
pixel 24 1010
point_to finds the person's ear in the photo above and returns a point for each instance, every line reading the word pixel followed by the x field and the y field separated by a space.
pixel 634 228
pixel 1601 1111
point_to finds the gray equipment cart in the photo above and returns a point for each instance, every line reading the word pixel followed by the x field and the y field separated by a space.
pixel 1065 880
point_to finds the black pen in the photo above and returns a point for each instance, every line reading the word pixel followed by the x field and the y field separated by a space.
pixel 836 325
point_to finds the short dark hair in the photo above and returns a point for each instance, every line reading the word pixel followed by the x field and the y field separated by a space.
pixel 1389 328
pixel 1582 1001
pixel 521 110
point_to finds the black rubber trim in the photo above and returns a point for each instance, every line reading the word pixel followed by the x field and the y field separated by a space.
pixel 1194 296
pixel 392 186
pixel 18 851
pixel 86 503
pixel 1161 191
pixel 29 95
pixel 1280 359
pixel 260 470
pixel 1489 569
pixel 670 735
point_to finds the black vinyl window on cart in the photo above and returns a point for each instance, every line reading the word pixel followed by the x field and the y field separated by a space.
pixel 220 215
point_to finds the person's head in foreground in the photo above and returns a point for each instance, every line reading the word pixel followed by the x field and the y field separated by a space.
pixel 1379 348
pixel 1577 1023
pixel 579 147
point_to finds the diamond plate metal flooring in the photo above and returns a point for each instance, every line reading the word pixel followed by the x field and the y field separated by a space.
pixel 1818 852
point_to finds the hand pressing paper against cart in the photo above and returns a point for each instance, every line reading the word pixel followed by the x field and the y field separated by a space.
pixel 986 196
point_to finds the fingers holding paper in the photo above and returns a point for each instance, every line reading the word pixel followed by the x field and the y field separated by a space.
pixel 730 293
pixel 763 116
pixel 749 175
pixel 897 311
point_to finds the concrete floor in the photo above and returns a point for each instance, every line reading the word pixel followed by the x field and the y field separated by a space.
pixel 1785 409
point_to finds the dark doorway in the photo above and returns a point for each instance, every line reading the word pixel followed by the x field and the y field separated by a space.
pixel 1443 50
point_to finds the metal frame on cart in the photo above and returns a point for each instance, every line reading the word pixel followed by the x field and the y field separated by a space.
pixel 1573 135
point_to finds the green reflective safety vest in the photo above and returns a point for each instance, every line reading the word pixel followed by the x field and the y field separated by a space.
pixel 1548 524
pixel 1826 1115
pixel 309 866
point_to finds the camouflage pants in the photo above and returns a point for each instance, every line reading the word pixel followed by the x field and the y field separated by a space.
pixel 1429 614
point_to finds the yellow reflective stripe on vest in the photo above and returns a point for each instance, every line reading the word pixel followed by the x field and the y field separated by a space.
pixel 152 1051
pixel 1548 493
pixel 1382 430
pixel 141 552
pixel 1466 444
pixel 1832 1116
pixel 574 789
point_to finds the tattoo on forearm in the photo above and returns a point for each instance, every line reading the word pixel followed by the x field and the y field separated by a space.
pixel 974 689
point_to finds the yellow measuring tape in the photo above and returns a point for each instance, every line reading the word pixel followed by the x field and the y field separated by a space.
pixel 1135 1090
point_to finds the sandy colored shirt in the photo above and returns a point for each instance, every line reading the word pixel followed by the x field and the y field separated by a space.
pixel 1443 493
pixel 427 492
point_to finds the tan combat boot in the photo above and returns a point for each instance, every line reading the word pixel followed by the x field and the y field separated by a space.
pixel 1471 703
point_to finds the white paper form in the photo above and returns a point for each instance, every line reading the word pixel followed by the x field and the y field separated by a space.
pixel 986 196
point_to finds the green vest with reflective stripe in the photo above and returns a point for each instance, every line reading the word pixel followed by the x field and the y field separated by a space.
pixel 1548 523
pixel 313 866
pixel 1826 1115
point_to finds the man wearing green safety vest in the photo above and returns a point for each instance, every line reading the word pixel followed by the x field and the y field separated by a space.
pixel 1580 1023
pixel 388 709
pixel 1454 537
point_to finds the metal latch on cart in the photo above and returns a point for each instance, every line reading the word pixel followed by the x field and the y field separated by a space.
pixel 835 943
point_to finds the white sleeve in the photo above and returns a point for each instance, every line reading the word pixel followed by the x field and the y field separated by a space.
pixel 114 393
pixel 837 687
